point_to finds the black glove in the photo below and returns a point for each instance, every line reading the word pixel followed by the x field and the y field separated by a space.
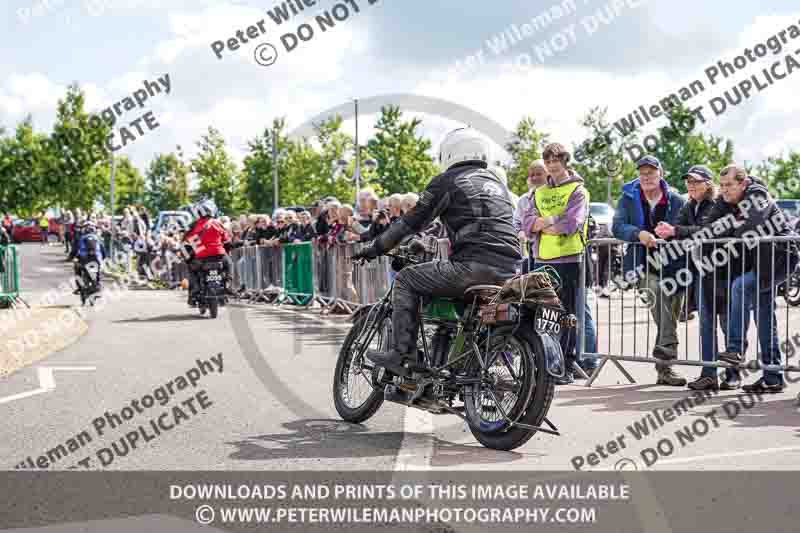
pixel 416 246
pixel 367 254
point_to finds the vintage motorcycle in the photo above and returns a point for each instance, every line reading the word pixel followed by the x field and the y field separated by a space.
pixel 86 280
pixel 212 291
pixel 488 360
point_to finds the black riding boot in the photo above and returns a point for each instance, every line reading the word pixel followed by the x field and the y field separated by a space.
pixel 402 358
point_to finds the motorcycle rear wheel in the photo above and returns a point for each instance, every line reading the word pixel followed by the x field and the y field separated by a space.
pixel 525 398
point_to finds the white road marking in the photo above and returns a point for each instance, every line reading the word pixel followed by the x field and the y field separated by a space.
pixel 47 381
pixel 729 455
pixel 416 449
pixel 306 314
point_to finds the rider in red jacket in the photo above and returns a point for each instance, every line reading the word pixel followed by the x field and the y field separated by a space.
pixel 210 242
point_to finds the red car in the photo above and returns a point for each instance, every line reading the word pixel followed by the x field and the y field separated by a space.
pixel 29 231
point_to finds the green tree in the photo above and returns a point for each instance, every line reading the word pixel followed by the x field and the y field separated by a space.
pixel 129 186
pixel 402 155
pixel 75 147
pixel 525 148
pixel 216 173
pixel 602 159
pixel 22 171
pixel 258 169
pixel 166 183
pixel 680 146
pixel 782 175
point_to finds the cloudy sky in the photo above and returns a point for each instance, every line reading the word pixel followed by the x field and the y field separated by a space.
pixel 640 53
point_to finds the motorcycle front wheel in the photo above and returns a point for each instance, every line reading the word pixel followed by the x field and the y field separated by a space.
pixel 354 396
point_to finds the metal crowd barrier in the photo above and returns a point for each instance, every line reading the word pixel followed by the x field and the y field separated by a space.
pixel 309 273
pixel 9 275
pixel 706 274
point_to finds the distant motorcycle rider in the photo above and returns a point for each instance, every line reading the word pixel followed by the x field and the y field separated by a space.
pixel 476 209
pixel 90 250
pixel 211 243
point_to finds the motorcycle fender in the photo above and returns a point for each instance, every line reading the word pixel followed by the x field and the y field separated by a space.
pixel 214 288
pixel 553 357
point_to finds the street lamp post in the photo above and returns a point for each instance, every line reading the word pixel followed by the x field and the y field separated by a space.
pixel 113 194
pixel 358 155
pixel 275 170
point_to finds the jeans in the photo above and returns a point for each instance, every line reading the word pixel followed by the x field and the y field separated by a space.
pixel 589 330
pixel 743 298
pixel 568 294
pixel 708 335
pixel 436 278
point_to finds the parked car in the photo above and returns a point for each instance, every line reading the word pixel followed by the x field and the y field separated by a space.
pixel 602 213
pixel 172 221
pixel 790 208
pixel 26 230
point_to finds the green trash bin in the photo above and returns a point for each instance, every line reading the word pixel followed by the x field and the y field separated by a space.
pixel 298 273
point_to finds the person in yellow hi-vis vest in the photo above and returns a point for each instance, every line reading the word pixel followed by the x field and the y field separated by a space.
pixel 44 227
pixel 556 223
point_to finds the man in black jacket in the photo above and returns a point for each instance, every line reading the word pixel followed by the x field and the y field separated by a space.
pixel 747 210
pixel 475 208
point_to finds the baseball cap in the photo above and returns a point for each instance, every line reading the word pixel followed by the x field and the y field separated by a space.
pixel 699 172
pixel 649 160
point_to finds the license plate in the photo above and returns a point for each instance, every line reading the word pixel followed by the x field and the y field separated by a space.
pixel 213 275
pixel 548 320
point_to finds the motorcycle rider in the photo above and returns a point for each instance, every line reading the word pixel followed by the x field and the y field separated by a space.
pixel 476 209
pixel 212 244
pixel 90 250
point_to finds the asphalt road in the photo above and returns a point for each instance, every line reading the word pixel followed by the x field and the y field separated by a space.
pixel 270 408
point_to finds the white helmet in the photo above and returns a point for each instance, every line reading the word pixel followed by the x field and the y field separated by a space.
pixel 463 144
pixel 205 208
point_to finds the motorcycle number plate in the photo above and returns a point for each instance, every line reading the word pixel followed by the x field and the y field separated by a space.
pixel 547 320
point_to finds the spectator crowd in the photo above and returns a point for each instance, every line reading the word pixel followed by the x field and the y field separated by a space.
pixel 554 225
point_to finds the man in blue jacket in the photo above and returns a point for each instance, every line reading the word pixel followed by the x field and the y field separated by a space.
pixel 645 202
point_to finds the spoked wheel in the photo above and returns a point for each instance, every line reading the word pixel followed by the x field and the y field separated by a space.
pixel 354 395
pixel 516 383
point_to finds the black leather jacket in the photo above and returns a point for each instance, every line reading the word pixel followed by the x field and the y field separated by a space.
pixel 763 217
pixel 476 211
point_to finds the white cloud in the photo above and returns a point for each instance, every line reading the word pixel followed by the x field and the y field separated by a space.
pixel 241 98
pixel 29 93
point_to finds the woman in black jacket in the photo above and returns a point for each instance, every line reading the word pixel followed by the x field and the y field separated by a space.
pixel 708 291
pixel 307 232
